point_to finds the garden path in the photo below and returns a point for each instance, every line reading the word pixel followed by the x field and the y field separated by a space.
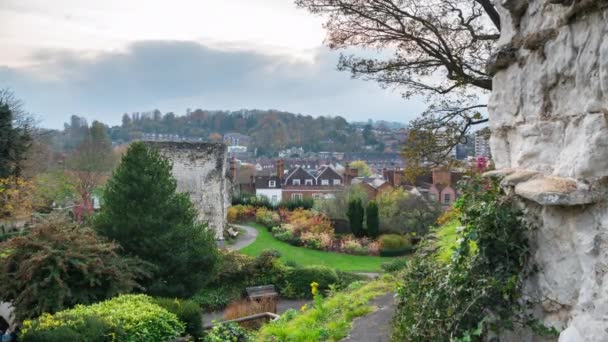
pixel 375 327
pixel 244 240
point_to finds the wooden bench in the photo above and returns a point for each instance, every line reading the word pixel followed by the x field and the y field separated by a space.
pixel 233 233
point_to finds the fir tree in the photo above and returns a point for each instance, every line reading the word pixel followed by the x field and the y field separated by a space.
pixel 355 217
pixel 372 220
pixel 143 212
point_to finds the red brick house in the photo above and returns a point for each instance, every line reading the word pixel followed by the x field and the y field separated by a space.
pixel 318 184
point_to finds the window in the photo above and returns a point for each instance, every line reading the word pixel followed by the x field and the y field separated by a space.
pixel 324 181
pixel 447 198
pixel 337 182
pixel 296 182
pixel 275 199
pixel 308 182
pixel 296 197
pixel 317 196
pixel 272 184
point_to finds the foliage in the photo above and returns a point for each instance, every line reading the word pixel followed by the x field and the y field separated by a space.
pixel 355 215
pixel 15 140
pixel 441 301
pixel 298 280
pixel 250 200
pixel 393 241
pixel 212 298
pixel 16 196
pixel 246 307
pixel 329 319
pixel 362 168
pixel 92 329
pixel 372 220
pixel 305 256
pixel 187 311
pixel 241 213
pixel 267 218
pixel 134 318
pixel 58 265
pixel 270 130
pixel 53 188
pixel 143 212
pixel 338 207
pixel 227 332
pixel 401 212
pixel 89 165
pixel 395 265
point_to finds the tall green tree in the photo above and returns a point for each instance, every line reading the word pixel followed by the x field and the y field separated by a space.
pixel 14 143
pixel 372 220
pixel 144 213
pixel 355 217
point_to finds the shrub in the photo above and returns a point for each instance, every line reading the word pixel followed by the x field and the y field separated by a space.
pixel 397 251
pixel 347 278
pixel 298 280
pixel 267 217
pixel 285 233
pixel 144 213
pixel 355 217
pixel 297 204
pixel 351 245
pixel 92 330
pixel 393 241
pixel 187 311
pixel 58 265
pixel 134 317
pixel 395 265
pixel 227 332
pixel 215 297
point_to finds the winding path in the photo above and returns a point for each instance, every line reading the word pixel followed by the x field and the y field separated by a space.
pixel 244 240
pixel 376 326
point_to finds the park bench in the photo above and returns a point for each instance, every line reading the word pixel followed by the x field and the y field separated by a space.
pixel 232 232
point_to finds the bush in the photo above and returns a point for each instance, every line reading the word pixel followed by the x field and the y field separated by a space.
pixel 160 225
pixel 286 234
pixel 396 252
pixel 134 318
pixel 355 215
pixel 347 278
pixel 187 311
pixel 395 265
pixel 372 220
pixel 298 280
pixel 393 241
pixel 297 204
pixel 58 265
pixel 92 330
pixel 227 332
pixel 267 217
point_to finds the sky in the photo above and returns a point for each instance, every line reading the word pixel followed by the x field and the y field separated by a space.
pixel 100 59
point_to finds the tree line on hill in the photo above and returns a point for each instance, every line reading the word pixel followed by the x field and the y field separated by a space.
pixel 270 130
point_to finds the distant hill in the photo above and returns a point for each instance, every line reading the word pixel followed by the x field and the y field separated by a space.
pixel 270 130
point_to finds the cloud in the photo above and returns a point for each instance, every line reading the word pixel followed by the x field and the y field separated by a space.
pixel 175 75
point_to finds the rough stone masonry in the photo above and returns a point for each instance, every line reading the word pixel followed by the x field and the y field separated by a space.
pixel 549 122
pixel 200 170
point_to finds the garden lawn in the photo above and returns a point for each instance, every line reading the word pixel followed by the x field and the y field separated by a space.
pixel 306 257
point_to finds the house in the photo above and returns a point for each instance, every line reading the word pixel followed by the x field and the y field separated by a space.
pixel 269 187
pixel 322 183
pixel 438 185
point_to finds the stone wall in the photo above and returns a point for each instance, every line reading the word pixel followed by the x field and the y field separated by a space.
pixel 549 122
pixel 200 170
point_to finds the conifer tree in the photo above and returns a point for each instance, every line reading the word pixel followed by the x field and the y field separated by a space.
pixel 355 216
pixel 143 212
pixel 372 220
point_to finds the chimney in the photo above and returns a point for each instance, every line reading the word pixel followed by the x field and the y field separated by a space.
pixel 349 174
pixel 280 169
pixel 233 168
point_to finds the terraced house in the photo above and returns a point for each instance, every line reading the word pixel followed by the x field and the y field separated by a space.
pixel 322 183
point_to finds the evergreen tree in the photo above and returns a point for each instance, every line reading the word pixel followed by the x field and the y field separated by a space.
pixel 372 220
pixel 14 143
pixel 143 212
pixel 355 217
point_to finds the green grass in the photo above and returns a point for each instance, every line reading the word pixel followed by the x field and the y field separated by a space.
pixel 306 257
pixel 447 240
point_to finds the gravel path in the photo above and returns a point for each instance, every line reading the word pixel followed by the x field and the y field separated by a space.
pixel 376 326
pixel 244 240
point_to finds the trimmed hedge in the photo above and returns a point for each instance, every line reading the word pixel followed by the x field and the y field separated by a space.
pixel 188 311
pixel 397 251
pixel 128 318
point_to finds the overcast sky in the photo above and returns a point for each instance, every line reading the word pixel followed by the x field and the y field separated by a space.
pixel 99 59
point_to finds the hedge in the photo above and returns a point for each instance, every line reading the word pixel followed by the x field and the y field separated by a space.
pixel 297 280
pixel 188 312
pixel 395 252
pixel 128 318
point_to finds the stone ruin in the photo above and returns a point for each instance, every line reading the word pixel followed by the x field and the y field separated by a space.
pixel 201 171
pixel 549 122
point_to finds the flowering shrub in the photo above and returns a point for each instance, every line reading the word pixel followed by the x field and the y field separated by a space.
pixel 267 217
pixel 240 213
pixel 351 245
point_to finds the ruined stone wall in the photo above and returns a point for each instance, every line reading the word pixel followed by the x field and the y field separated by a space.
pixel 549 122
pixel 200 170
